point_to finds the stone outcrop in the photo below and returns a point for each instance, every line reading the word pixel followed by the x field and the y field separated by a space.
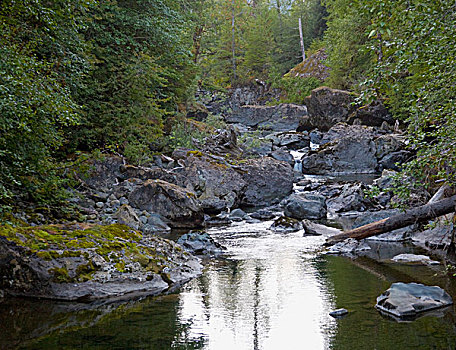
pixel 268 181
pixel 88 262
pixel 349 149
pixel 179 206
pixel 284 117
pixel 215 182
pixel 327 107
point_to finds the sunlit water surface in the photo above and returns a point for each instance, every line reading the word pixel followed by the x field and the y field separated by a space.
pixel 269 291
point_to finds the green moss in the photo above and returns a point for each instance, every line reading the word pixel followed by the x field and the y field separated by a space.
pixel 60 275
pixel 84 272
pixel 195 153
pixel 120 266
pixel 116 244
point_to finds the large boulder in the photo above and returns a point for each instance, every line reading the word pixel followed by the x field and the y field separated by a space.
pixel 268 181
pixel 407 300
pixel 84 262
pixel 349 149
pixel 173 202
pixel 305 206
pixel 374 114
pixel 214 181
pixel 284 117
pixel 327 107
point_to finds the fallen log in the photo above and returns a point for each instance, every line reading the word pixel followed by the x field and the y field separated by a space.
pixel 415 215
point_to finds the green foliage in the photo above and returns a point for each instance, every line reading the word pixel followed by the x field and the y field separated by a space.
pixel 264 40
pixel 141 69
pixel 296 88
pixel 41 60
pixel 345 43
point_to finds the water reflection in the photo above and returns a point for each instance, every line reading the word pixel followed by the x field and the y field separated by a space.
pixel 271 291
pixel 266 296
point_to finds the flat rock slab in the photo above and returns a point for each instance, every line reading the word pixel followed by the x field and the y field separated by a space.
pixel 407 300
pixel 414 259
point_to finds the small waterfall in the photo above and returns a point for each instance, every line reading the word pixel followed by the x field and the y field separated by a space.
pixel 297 166
pixel 297 158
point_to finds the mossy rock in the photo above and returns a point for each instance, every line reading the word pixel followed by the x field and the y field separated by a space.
pixel 58 260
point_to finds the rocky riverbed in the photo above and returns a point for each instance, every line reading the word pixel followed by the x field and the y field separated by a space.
pixel 320 168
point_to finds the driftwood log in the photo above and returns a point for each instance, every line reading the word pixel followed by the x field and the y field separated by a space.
pixel 415 215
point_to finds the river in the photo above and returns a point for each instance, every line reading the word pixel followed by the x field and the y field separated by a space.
pixel 269 291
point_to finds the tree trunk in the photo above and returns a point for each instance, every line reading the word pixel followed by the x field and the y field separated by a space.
pixel 302 41
pixel 409 217
pixel 233 41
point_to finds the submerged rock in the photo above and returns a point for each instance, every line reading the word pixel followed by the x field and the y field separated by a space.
pixel 414 259
pixel 88 262
pixel 407 300
pixel 338 313
pixel 349 246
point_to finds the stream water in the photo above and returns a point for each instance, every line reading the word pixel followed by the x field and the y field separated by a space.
pixel 269 291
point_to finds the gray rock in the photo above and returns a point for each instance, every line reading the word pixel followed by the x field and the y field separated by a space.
pixel 283 156
pixel 395 159
pixel 291 140
pixel 315 229
pixel 237 213
pixel 349 149
pixel 99 205
pixel 103 173
pixel 268 181
pixel 386 144
pixel 327 107
pixel 126 215
pixel 374 114
pixel 155 224
pixel 115 203
pixel 263 214
pixel 200 243
pixel 407 300
pixel 351 198
pixel 177 205
pixel 398 235
pixel 214 181
pixel 284 117
pixel 100 265
pixel 414 259
pixel 305 206
pixel 338 313
pixel 123 201
pixel 349 246
pixel 224 142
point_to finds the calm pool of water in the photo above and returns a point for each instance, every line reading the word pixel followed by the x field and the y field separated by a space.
pixel 270 291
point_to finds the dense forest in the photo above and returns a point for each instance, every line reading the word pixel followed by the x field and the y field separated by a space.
pixel 87 76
